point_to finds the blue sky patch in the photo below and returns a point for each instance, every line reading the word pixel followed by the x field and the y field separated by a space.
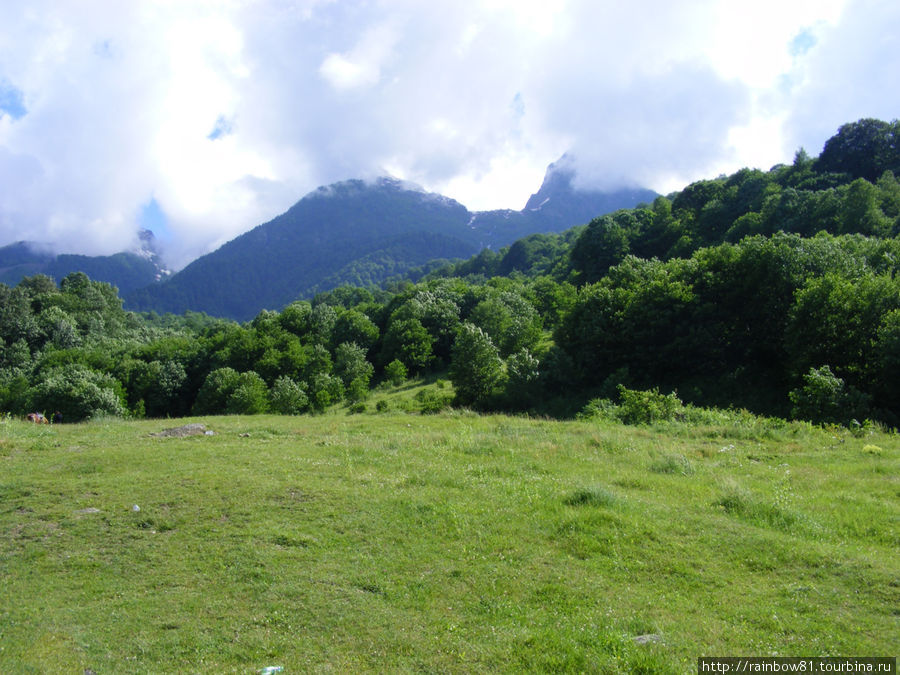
pixel 12 102
pixel 104 49
pixel 802 42
pixel 223 127
pixel 154 219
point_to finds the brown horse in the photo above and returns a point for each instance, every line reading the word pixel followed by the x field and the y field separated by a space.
pixel 37 418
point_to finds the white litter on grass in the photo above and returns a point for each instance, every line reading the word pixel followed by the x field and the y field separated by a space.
pixel 186 430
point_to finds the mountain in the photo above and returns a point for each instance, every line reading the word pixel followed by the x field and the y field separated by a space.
pixel 557 206
pixel 329 230
pixel 128 271
pixel 361 233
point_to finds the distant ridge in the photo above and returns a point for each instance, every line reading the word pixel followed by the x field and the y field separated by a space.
pixel 362 232
pixel 557 206
pixel 127 271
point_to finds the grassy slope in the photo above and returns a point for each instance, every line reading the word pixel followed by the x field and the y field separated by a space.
pixel 451 542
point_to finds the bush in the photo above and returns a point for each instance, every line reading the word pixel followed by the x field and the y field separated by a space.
pixel 324 391
pixel 409 341
pixel 476 369
pixel 159 384
pixel 79 393
pixel 227 391
pixel 350 364
pixel 824 398
pixel 523 370
pixel 645 407
pixel 250 396
pixel 635 407
pixel 357 390
pixel 433 400
pixel 15 394
pixel 599 409
pixel 396 372
pixel 214 392
pixel 288 397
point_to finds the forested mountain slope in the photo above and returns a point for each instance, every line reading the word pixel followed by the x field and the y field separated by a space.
pixel 851 188
pixel 127 271
pixel 777 291
pixel 361 233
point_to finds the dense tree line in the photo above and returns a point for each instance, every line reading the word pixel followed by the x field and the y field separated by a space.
pixel 775 291
pixel 74 349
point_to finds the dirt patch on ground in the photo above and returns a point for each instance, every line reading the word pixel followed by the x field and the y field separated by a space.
pixel 186 430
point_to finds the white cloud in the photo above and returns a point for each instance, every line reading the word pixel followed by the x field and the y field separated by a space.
pixel 227 113
pixel 362 66
pixel 850 73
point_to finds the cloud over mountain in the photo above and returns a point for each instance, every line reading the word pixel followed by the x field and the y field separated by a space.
pixel 223 114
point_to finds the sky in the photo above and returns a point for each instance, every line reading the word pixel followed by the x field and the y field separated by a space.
pixel 204 118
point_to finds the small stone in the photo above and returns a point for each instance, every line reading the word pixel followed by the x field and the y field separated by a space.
pixel 648 638
pixel 135 508
pixel 194 429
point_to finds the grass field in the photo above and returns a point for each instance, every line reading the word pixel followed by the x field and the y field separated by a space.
pixel 451 543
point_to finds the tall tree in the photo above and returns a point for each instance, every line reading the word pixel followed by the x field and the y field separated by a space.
pixel 476 369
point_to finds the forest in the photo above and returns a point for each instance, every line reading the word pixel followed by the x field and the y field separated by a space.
pixel 774 292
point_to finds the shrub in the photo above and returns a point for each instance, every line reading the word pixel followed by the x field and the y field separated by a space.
pixel 599 408
pixel 288 397
pixel 357 390
pixel 645 407
pixel 214 392
pixel 79 393
pixel 523 370
pixel 226 390
pixel 476 369
pixel 824 398
pixel 395 372
pixel 250 396
pixel 324 390
pixel 410 342
pixel 159 384
pixel 635 407
pixel 350 364
pixel 433 400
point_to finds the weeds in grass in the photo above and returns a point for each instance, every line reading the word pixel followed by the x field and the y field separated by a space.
pixel 596 495
pixel 741 504
pixel 449 543
pixel 672 464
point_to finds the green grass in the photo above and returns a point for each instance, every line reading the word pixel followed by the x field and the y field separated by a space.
pixel 448 542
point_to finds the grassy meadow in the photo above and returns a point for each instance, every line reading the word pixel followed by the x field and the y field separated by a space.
pixel 450 542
